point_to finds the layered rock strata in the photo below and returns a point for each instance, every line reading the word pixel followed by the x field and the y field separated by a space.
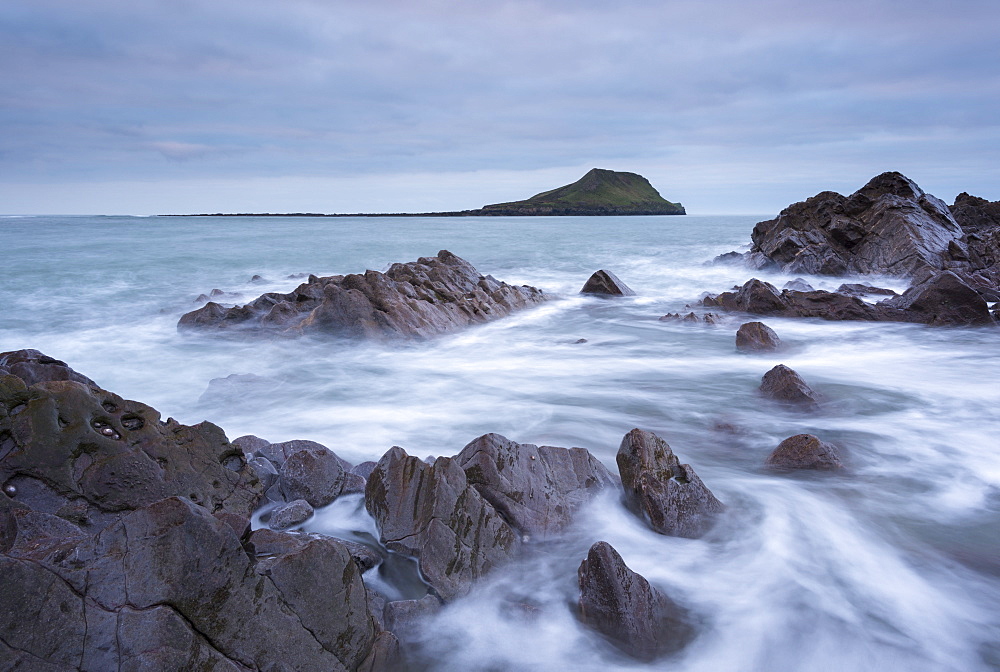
pixel 420 299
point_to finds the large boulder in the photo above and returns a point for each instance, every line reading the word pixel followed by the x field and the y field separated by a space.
pixel 84 453
pixel 420 299
pixel 606 283
pixel 943 299
pixel 314 474
pixel 667 494
pixel 635 617
pixel 536 488
pixel 980 221
pixel 432 513
pixel 170 587
pixel 785 385
pixel 804 451
pixel 756 337
pixel 889 226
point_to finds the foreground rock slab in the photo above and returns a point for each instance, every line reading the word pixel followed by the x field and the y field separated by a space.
pixel 432 513
pixel 805 451
pixel 536 488
pixel 606 283
pixel 666 493
pixel 638 619
pixel 420 299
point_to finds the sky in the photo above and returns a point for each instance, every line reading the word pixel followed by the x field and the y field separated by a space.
pixel 183 106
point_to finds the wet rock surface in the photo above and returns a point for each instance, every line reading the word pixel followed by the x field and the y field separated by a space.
pixel 638 619
pixel 667 494
pixel 432 513
pixel 756 337
pixel 805 451
pixel 313 474
pixel 785 385
pixel 33 366
pixel 420 299
pixel 606 283
pixel 889 226
pixel 536 488
pixel 288 515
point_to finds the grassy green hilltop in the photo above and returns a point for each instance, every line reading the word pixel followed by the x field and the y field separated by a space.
pixel 599 192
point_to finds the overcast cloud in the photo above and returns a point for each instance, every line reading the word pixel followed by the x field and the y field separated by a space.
pixel 110 106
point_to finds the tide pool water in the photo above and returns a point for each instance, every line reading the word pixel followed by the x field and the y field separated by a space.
pixel 892 565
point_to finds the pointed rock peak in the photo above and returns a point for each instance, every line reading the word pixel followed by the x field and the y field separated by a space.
pixel 893 183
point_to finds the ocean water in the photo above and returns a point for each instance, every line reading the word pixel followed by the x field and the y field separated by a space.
pixel 892 565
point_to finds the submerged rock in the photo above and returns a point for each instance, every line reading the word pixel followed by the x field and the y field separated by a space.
pixel 783 384
pixel 638 619
pixel 420 299
pixel 432 513
pixel 666 493
pixel 756 337
pixel 606 283
pixel 536 488
pixel 804 451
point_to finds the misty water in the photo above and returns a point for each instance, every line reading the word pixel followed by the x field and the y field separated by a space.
pixel 892 565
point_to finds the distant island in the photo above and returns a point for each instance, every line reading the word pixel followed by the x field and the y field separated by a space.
pixel 599 192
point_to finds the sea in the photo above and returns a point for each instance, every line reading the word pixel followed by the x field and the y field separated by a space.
pixel 891 564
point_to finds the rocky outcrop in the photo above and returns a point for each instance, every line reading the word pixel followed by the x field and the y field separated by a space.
pixel 804 451
pixel 606 283
pixel 420 299
pixel 941 299
pixel 756 337
pixel 621 605
pixel 666 493
pixel 84 453
pixel 32 367
pixel 980 221
pixel 537 489
pixel 692 318
pixel 432 513
pixel 889 227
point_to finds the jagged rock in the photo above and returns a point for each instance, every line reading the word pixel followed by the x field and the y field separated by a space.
pixel 432 513
pixel 980 221
pixel 638 619
pixel 756 337
pixel 859 289
pixel 82 452
pixel 365 556
pixel 170 587
pixel 783 384
pixel 889 226
pixel 606 283
pixel 691 318
pixel 666 493
pixel 287 515
pixel 32 367
pixel 314 474
pixel 729 258
pixel 804 451
pixel 420 299
pixel 536 488
pixel 943 299
pixel 265 471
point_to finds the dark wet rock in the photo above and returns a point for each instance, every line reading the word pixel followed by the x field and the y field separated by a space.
pixel 288 515
pixel 798 285
pixel 364 469
pixel 729 258
pixel 667 494
pixel 783 384
pixel 353 484
pixel 279 452
pixel 32 367
pixel 314 474
pixel 403 617
pixel 980 221
pixel 537 489
pixel 170 587
pixel 863 289
pixel 430 512
pixel 804 451
pixel 889 226
pixel 257 278
pixel 265 470
pixel 692 318
pixel 943 299
pixel 82 452
pixel 250 445
pixel 762 298
pixel 365 556
pixel 621 605
pixel 420 299
pixel 756 337
pixel 606 283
